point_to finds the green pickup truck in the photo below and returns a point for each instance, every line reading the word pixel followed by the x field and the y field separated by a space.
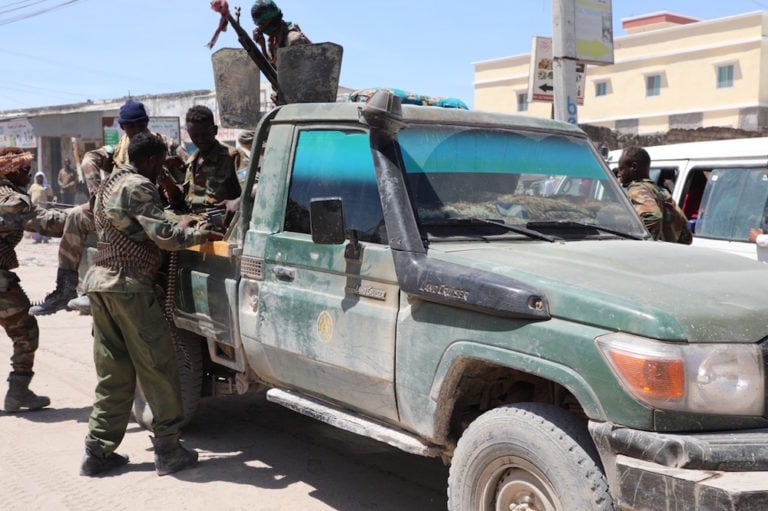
pixel 400 272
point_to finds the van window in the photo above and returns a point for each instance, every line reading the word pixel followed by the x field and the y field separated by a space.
pixel 664 176
pixel 331 163
pixel 734 201
pixel 693 191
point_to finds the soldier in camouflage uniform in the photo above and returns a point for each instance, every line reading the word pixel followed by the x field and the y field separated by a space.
pixel 133 120
pixel 661 215
pixel 131 337
pixel 268 19
pixel 16 215
pixel 211 178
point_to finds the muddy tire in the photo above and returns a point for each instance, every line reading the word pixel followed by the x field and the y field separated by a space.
pixel 191 380
pixel 527 456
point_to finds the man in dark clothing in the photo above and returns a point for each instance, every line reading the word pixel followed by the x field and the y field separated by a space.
pixel 67 179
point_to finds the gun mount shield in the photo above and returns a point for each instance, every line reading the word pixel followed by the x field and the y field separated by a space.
pixel 309 73
pixel 236 78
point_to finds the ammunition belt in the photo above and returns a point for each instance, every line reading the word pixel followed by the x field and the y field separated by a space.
pixel 120 252
pixel 133 258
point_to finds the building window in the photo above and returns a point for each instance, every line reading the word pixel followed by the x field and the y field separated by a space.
pixel 601 89
pixel 653 85
pixel 725 76
pixel 522 101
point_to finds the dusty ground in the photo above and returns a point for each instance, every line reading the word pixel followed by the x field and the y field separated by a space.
pixel 254 455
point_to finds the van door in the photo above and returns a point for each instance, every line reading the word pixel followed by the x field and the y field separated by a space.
pixel 734 201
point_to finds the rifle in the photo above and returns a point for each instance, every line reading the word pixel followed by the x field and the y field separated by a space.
pixel 247 43
pixel 57 205
pixel 76 152
pixel 215 217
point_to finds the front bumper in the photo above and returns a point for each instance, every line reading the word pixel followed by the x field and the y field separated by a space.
pixel 705 471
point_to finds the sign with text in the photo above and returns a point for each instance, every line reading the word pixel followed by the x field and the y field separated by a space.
pixel 168 126
pixel 594 31
pixel 17 133
pixel 541 76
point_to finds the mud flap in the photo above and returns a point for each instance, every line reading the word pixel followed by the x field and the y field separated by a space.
pixel 236 78
pixel 309 73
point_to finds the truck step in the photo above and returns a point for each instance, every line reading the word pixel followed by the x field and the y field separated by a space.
pixel 350 422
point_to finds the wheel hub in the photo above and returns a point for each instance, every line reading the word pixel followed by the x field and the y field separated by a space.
pixel 519 490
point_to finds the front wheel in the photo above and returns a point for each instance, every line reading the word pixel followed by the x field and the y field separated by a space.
pixel 189 357
pixel 529 456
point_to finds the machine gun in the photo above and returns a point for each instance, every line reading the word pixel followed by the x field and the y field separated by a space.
pixel 267 69
pixel 215 217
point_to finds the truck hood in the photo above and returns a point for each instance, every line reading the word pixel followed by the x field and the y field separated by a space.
pixel 654 289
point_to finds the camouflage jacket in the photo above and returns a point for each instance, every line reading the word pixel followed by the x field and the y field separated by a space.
pixel 661 215
pixel 100 160
pixel 17 214
pixel 288 35
pixel 135 209
pixel 212 177
pixel 94 163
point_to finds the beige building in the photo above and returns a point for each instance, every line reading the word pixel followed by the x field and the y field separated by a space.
pixel 669 71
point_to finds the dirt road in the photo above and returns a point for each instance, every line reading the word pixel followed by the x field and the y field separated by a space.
pixel 253 455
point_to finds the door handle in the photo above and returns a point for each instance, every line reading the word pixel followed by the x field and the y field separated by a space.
pixel 284 273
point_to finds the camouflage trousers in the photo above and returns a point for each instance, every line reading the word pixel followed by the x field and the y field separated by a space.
pixel 131 340
pixel 18 324
pixel 78 225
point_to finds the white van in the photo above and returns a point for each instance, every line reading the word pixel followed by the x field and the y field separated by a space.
pixel 721 187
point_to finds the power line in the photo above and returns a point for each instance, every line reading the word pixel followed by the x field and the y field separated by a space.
pixel 14 19
pixel 85 69
pixel 26 87
pixel 29 3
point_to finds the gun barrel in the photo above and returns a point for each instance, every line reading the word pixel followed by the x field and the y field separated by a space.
pixel 253 51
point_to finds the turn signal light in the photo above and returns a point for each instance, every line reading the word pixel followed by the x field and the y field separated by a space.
pixel 658 379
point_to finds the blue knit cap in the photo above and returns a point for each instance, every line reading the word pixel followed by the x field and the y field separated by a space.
pixel 132 112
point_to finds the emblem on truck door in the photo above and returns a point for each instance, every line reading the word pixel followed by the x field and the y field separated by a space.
pixel 367 291
pixel 325 326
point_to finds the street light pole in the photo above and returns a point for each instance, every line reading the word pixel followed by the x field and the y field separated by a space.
pixel 564 60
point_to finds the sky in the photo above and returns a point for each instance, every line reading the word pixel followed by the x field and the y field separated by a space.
pixel 56 52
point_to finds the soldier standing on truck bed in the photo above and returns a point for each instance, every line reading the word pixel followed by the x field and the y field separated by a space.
pixel 132 230
pixel 268 19
pixel 211 178
pixel 133 120
pixel 280 34
pixel 17 213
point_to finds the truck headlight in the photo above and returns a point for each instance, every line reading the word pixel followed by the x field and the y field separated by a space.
pixel 722 379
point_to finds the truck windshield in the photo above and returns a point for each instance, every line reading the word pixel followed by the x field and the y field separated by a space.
pixel 546 182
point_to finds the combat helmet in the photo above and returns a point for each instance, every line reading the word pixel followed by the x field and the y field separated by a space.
pixel 265 13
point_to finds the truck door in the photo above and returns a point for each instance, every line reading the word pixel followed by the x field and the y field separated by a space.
pixel 325 322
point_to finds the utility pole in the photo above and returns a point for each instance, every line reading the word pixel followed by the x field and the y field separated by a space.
pixel 564 60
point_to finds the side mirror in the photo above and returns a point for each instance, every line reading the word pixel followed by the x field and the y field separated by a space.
pixel 326 219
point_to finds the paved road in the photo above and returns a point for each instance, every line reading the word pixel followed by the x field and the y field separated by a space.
pixel 254 455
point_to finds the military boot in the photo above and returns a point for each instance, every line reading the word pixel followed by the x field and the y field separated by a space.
pixel 81 304
pixel 95 462
pixel 171 456
pixel 19 398
pixel 66 289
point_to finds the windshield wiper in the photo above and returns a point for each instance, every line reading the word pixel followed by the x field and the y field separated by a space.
pixel 531 233
pixel 570 224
